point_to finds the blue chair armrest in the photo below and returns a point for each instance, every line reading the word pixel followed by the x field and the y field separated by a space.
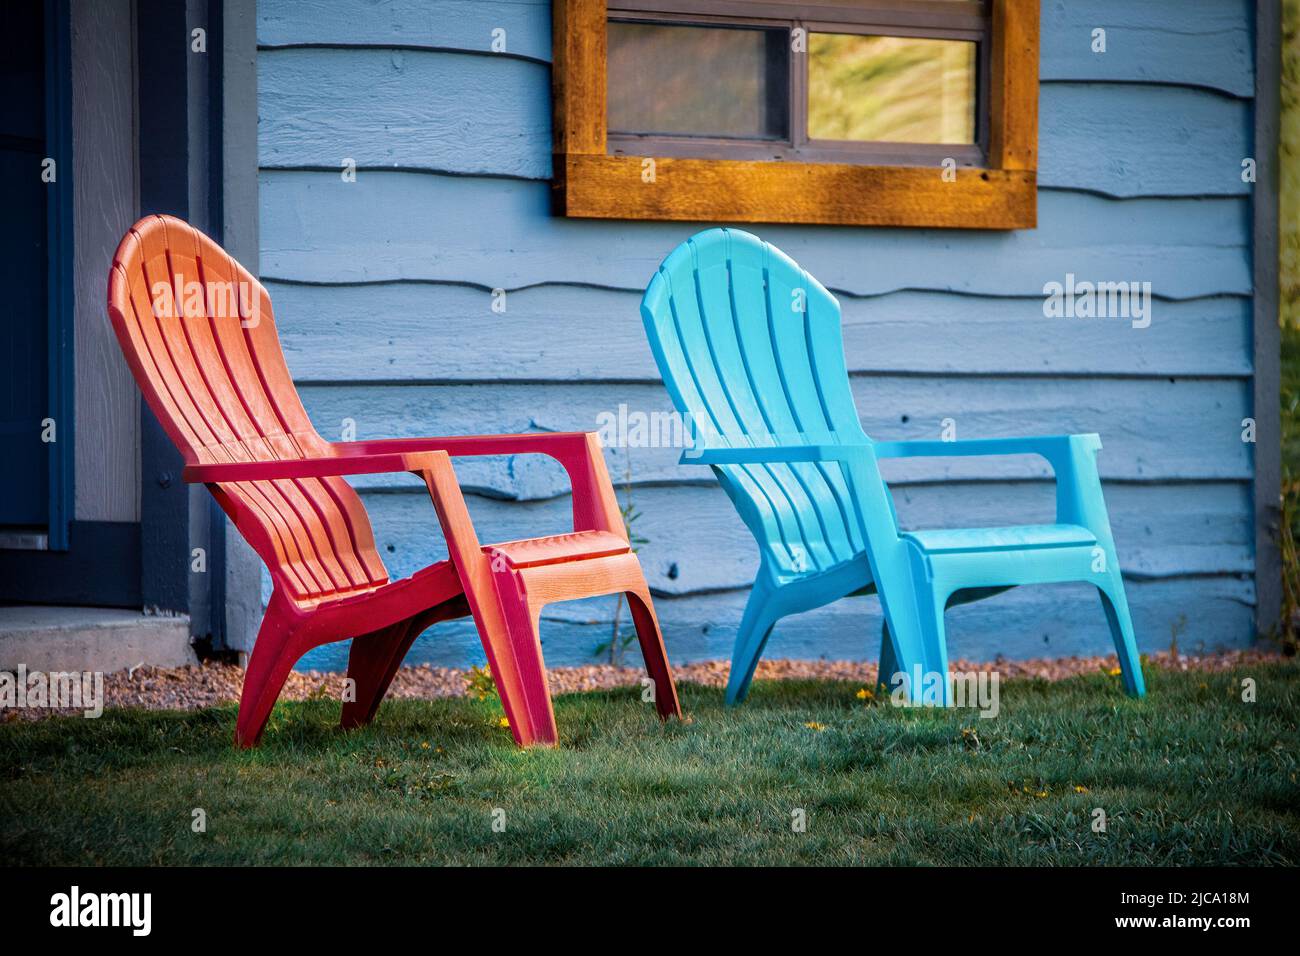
pixel 1051 447
pixel 1073 459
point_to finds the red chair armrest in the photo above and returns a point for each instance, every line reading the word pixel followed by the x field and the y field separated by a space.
pixel 594 506
pixel 344 464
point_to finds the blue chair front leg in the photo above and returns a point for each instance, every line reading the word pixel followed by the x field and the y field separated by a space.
pixel 913 640
pixel 1079 500
pixel 1115 603
pixel 924 661
pixel 888 658
pixel 761 614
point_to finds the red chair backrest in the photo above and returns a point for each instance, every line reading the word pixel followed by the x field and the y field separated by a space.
pixel 197 331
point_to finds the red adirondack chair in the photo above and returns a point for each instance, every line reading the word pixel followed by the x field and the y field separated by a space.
pixel 198 333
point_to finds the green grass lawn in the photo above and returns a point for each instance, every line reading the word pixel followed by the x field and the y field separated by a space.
pixel 1189 775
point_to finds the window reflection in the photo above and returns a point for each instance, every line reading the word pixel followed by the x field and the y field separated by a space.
pixel 891 89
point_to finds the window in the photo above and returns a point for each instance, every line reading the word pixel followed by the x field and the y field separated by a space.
pixel 674 83
pixel 867 112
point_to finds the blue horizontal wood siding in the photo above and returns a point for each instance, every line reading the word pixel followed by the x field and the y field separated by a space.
pixel 465 25
pixel 1194 529
pixel 392 108
pixel 384 292
pixel 386 108
pixel 1156 429
pixel 1205 43
pixel 498 233
pixel 964 335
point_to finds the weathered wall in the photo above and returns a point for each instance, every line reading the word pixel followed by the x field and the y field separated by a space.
pixel 382 289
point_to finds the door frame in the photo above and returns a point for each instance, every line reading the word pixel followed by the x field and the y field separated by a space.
pixel 61 384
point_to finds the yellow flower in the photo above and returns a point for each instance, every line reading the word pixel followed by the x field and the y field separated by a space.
pixel 425 745
pixel 1114 672
pixel 813 725
pixel 503 722
pixel 864 694
pixel 1078 789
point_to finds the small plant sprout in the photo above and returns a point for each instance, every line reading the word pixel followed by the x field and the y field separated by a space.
pixel 479 683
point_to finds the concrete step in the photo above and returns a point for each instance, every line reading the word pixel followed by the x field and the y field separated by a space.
pixel 47 638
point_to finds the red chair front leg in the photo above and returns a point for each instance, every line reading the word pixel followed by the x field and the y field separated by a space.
pixel 278 647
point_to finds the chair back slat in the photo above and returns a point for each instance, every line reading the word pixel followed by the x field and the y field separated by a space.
pixel 199 335
pixel 750 345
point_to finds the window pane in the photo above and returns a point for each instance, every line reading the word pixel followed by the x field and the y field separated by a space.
pixel 698 81
pixel 891 89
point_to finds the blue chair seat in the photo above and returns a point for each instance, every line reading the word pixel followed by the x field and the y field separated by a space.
pixel 1026 537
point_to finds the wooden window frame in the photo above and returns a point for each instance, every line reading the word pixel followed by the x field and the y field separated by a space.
pixel 997 190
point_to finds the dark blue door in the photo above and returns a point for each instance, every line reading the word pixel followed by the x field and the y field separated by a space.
pixel 24 320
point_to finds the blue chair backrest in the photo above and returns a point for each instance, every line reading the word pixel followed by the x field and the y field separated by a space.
pixel 749 345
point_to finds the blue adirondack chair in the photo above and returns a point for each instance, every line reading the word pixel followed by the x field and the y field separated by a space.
pixel 750 349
